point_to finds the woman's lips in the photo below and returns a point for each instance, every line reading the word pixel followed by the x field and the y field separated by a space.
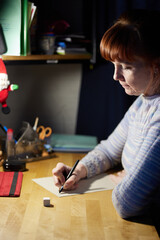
pixel 124 85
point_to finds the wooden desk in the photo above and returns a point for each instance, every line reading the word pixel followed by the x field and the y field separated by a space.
pixel 89 216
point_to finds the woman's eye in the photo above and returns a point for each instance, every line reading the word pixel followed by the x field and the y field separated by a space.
pixel 127 67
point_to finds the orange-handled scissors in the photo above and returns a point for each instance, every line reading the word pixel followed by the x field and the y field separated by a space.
pixel 44 132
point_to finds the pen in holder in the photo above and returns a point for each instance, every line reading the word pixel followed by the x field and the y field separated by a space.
pixel 26 146
pixel 11 162
pixel 28 143
pixel 10 144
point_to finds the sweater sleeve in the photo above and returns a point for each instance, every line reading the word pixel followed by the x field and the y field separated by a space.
pixel 107 154
pixel 136 191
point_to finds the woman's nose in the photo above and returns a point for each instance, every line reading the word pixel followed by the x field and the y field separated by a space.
pixel 117 74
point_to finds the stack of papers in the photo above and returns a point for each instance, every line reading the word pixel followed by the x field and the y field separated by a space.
pixel 72 143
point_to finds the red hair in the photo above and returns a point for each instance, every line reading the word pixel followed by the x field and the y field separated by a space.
pixel 133 34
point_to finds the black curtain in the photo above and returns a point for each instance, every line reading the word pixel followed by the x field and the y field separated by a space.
pixel 103 102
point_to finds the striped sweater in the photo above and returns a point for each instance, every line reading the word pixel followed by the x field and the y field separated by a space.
pixel 136 144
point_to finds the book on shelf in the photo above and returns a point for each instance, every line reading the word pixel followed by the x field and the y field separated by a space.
pixel 73 43
pixel 15 18
pixel 24 27
pixel 3 46
pixel 10 20
pixel 28 10
pixel 31 12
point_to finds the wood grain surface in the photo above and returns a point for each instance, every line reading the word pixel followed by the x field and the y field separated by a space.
pixel 80 217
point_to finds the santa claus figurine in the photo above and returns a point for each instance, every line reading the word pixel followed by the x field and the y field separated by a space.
pixel 5 87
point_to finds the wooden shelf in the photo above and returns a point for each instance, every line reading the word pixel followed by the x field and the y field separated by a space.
pixel 65 57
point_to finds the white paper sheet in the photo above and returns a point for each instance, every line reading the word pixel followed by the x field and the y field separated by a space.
pixel 98 183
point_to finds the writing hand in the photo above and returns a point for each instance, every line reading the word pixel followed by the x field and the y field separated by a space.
pixel 61 171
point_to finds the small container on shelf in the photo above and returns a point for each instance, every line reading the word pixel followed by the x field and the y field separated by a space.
pixel 61 48
pixel 47 43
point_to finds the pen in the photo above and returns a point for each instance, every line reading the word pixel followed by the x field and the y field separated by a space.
pixel 3 128
pixel 35 124
pixel 70 174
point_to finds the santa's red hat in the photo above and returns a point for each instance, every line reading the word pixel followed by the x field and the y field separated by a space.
pixel 2 67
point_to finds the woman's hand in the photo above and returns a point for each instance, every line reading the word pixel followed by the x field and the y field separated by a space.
pixel 61 171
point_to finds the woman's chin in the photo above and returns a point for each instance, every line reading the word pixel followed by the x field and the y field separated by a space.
pixel 131 92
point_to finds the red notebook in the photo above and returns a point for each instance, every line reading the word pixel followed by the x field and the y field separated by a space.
pixel 10 184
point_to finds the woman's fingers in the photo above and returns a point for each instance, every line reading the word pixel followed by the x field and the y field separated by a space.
pixel 61 171
pixel 59 174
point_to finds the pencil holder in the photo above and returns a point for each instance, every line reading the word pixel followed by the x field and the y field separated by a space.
pixel 24 147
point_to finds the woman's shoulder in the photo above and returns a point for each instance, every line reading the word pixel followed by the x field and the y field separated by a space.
pixel 145 109
pixel 147 102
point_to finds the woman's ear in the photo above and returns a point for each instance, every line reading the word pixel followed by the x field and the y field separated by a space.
pixel 156 67
pixel 156 72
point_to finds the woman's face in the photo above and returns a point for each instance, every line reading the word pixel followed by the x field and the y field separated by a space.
pixel 133 76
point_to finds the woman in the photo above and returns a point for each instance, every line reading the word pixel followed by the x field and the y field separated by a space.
pixel 132 44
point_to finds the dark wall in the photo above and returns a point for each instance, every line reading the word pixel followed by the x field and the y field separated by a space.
pixel 103 102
